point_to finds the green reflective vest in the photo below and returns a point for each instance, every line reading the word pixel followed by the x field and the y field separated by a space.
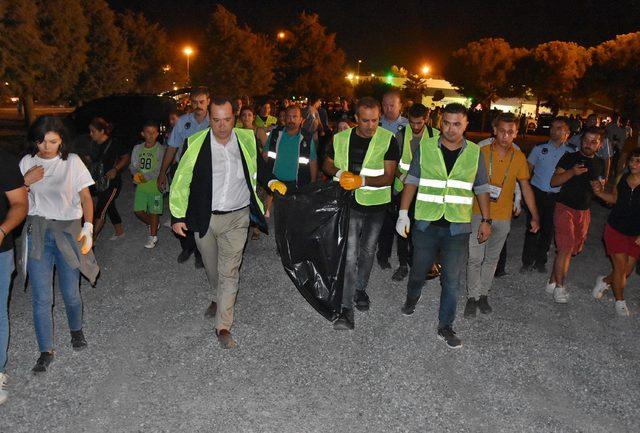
pixel 407 155
pixel 372 166
pixel 445 195
pixel 179 192
pixel 271 121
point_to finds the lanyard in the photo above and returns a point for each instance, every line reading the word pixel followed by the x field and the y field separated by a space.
pixel 506 173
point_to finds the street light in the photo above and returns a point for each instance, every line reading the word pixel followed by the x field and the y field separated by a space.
pixel 425 70
pixel 188 51
pixel 350 76
pixel 282 35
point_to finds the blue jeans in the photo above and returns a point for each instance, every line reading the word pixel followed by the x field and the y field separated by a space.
pixel 6 269
pixel 41 278
pixel 453 250
pixel 362 238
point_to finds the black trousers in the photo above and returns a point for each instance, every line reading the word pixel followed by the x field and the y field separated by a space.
pixel 404 246
pixel 106 205
pixel 502 261
pixel 536 245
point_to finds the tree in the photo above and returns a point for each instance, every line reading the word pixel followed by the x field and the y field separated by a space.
pixel 415 87
pixel 310 62
pixel 234 61
pixel 108 69
pixel 551 71
pixel 65 29
pixel 480 70
pixel 399 71
pixel 23 53
pixel 152 53
pixel 613 75
pixel 375 88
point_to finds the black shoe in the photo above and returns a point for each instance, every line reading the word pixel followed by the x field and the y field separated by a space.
pixel 526 268
pixel 400 273
pixel 199 264
pixel 43 362
pixel 361 300
pixel 345 320
pixel 540 267
pixel 184 256
pixel 211 310
pixel 409 306
pixel 77 340
pixel 449 337
pixel 500 273
pixel 483 305
pixel 470 308
pixel 384 263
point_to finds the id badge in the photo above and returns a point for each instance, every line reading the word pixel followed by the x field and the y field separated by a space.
pixel 494 192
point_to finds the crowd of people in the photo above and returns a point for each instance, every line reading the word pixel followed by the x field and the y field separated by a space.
pixel 417 180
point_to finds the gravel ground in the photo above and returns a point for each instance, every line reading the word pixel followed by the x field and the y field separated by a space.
pixel 153 363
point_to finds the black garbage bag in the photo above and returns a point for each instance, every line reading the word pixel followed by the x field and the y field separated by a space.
pixel 311 234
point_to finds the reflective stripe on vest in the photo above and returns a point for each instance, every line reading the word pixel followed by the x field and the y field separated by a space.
pixel 372 166
pixel 180 186
pixel 407 154
pixel 445 195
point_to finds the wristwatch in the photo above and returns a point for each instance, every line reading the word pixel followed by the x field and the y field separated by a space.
pixel 486 220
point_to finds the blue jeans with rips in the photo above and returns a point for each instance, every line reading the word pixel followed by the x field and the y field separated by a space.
pixel 453 250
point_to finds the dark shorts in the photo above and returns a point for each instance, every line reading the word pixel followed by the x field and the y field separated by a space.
pixel 618 243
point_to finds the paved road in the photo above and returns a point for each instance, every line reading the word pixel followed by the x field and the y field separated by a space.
pixel 153 363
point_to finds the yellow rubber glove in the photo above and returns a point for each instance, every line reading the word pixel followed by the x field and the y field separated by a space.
pixel 86 237
pixel 276 185
pixel 350 181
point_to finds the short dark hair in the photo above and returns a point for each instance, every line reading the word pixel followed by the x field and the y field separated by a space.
pixel 200 90
pixel 595 130
pixel 367 102
pixel 150 123
pixel 505 118
pixel 635 153
pixel 247 108
pixel 294 107
pixel 455 108
pixel 418 110
pixel 39 129
pixel 101 124
pixel 563 119
pixel 220 100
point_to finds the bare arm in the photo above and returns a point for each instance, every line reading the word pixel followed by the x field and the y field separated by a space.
pixel 313 168
pixel 18 207
pixel 561 176
pixel 329 167
pixel 408 193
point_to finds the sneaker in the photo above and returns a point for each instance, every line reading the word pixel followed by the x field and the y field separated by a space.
pixel 449 337
pixel 345 320
pixel 550 288
pixel 78 341
pixel 600 288
pixel 470 308
pixel 116 237
pixel 560 295
pixel 621 309
pixel 151 242
pixel 361 300
pixel 400 273
pixel 483 305
pixel 384 263
pixel 4 395
pixel 225 339
pixel 42 364
pixel 410 305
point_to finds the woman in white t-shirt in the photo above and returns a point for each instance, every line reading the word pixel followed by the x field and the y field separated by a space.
pixel 59 198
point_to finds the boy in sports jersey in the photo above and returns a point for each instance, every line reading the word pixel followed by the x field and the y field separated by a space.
pixel 146 160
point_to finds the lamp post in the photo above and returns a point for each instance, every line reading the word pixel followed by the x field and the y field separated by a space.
pixel 188 51
pixel 358 73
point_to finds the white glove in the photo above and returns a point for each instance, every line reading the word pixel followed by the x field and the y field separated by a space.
pixel 403 225
pixel 517 201
pixel 86 237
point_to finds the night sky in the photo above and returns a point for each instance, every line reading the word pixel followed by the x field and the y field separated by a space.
pixel 409 32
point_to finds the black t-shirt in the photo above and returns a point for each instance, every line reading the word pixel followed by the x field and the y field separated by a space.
pixel 109 154
pixel 358 147
pixel 450 157
pixel 625 215
pixel 10 179
pixel 576 192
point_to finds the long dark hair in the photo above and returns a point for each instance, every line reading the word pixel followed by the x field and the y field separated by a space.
pixel 102 125
pixel 39 129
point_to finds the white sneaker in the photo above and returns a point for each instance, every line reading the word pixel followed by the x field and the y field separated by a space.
pixel 116 237
pixel 600 288
pixel 550 287
pixel 560 295
pixel 4 395
pixel 151 242
pixel 621 309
